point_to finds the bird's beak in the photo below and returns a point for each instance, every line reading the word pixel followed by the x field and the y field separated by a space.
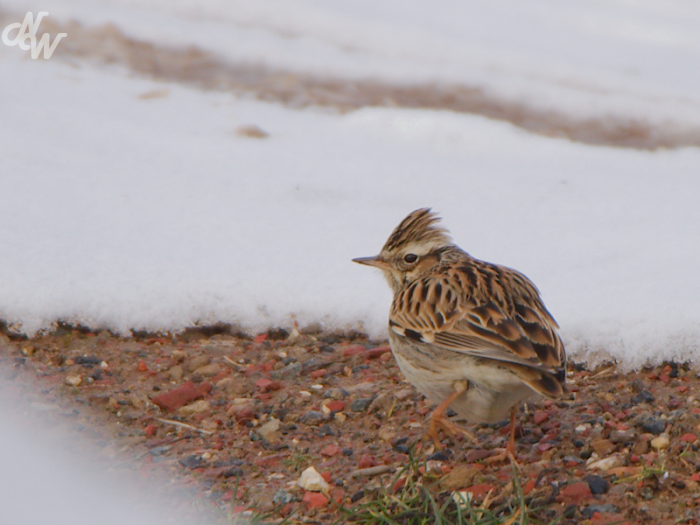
pixel 372 261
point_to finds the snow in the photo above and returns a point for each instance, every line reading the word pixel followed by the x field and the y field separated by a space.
pixel 634 60
pixel 152 213
pixel 53 474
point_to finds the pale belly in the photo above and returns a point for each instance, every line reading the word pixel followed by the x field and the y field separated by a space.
pixel 492 390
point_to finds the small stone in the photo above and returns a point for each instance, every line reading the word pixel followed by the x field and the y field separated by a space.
pixel 621 436
pixel 330 450
pixel 312 416
pixel 689 438
pixel 366 461
pixel 270 430
pixel 637 386
pixel 311 480
pixel 74 380
pixel 180 396
pixel 315 500
pixel 403 394
pixel 640 447
pixel 653 426
pixel 209 370
pixel 576 492
pixel 607 463
pixel 477 455
pixel 176 373
pixel 603 447
pixel 540 417
pixel 661 442
pixel 193 461
pixel 151 430
pixel 459 477
pixel 438 456
pixel 360 405
pixel 198 362
pixel 597 484
pixel 195 408
pixel 608 508
pixel 643 397
pixel 282 497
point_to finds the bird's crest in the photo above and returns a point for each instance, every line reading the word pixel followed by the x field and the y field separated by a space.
pixel 419 227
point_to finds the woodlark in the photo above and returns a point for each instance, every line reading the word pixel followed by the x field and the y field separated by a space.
pixel 468 334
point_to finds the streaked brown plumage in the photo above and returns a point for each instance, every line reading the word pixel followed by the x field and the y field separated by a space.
pixel 467 334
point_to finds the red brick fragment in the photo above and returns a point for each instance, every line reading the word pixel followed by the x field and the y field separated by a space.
pixel 366 460
pixel 689 438
pixel 477 454
pixel 576 492
pixel 315 500
pixel 353 350
pixel 665 378
pixel 318 373
pixel 400 483
pixel 268 385
pixel 143 367
pixel 695 476
pixel 540 417
pixel 374 353
pixel 180 396
pixel 335 405
pixel 479 490
pixel 529 486
pixel 151 430
pixel 260 338
pixel 330 450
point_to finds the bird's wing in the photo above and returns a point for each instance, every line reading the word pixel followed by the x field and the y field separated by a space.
pixel 509 324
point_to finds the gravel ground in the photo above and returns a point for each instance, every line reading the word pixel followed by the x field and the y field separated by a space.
pixel 237 419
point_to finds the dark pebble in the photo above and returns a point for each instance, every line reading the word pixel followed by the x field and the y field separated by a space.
pixel 401 441
pixel 357 496
pixel 228 463
pixel 637 386
pixel 282 497
pixel 326 430
pixel 439 456
pixel 570 512
pixel 360 405
pixel 585 454
pixel 191 462
pixel 357 368
pixel 643 397
pixel 87 360
pixel 597 484
pixel 312 416
pixel 278 334
pixel 653 426
pixel 158 451
pixel 578 443
pixel 235 472
pixel 347 452
pixel 327 349
pixel 402 449
pixel 646 492
pixel 608 508
pixel 450 413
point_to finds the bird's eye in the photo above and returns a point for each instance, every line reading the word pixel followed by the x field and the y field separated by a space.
pixel 410 258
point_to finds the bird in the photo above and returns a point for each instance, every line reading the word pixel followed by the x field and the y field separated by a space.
pixel 469 335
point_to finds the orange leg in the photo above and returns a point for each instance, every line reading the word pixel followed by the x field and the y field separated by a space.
pixel 509 451
pixel 439 421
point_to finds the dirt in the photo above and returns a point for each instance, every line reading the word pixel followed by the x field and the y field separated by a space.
pixel 229 412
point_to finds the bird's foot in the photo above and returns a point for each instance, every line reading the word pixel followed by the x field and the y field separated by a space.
pixel 438 422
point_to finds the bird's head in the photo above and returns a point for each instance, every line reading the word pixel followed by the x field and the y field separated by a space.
pixel 414 247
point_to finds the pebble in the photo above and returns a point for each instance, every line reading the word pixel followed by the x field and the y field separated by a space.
pixel 621 436
pixel 459 477
pixel 198 362
pixel 597 484
pixel 653 426
pixel 588 512
pixel 192 462
pixel 403 394
pixel 209 370
pixel 643 397
pixel 603 447
pixel 176 373
pixel 606 464
pixel 311 480
pixel 640 447
pixel 360 405
pixel 314 500
pixel 312 416
pixel 195 408
pixel 174 399
pixel 270 431
pixel 661 442
pixel 282 497
pixel 74 380
pixel 576 492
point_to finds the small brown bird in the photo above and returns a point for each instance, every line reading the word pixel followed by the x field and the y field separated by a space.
pixel 468 334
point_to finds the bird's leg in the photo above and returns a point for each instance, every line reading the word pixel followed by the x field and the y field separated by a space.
pixel 509 451
pixel 439 421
